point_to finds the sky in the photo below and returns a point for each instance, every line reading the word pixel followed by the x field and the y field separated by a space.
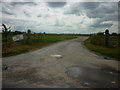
pixel 60 17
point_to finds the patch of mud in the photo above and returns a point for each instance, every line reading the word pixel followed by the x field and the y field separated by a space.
pixel 107 68
pixel 42 59
pixel 15 67
pixel 94 77
pixel 99 57
pixel 25 74
pixel 103 57
pixel 29 75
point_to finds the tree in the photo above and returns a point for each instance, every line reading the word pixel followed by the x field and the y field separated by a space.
pixel 6 30
pixel 114 34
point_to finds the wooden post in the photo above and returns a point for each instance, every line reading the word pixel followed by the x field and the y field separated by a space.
pixel 106 37
pixel 29 36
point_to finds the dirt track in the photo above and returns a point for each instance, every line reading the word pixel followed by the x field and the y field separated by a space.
pixel 40 69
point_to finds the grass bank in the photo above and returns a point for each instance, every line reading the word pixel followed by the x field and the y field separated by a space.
pixel 38 41
pixel 96 43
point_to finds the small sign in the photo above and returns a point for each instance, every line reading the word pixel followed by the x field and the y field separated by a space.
pixel 17 37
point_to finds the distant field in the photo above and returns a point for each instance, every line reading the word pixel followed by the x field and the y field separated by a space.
pixel 97 43
pixel 38 41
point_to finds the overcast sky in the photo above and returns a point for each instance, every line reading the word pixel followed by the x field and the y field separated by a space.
pixel 61 17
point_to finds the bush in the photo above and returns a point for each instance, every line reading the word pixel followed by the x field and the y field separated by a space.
pixel 114 41
pixel 97 39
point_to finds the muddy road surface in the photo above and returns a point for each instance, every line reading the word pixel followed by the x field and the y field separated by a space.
pixel 66 64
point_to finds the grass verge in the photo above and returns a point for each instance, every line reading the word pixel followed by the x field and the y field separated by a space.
pixel 111 52
pixel 15 48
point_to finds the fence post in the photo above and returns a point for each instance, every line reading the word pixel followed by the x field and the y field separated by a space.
pixel 106 37
pixel 29 36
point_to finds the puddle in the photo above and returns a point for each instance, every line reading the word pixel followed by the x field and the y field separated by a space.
pixel 4 67
pixel 94 77
pixel 99 57
pixel 56 56
pixel 103 57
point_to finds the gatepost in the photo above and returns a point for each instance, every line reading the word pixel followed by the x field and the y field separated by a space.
pixel 106 37
pixel 29 36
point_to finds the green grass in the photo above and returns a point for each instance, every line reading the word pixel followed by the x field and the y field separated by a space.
pixel 96 43
pixel 11 48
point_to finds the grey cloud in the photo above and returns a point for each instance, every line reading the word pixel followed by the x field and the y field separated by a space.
pixel 112 17
pixel 102 10
pixel 43 15
pixel 59 23
pixel 7 12
pixel 56 4
pixel 27 14
pixel 23 3
pixel 93 9
pixel 90 5
pixel 79 8
pixel 68 26
pixel 74 9
pixel 46 16
pixel 19 25
pixel 56 23
pixel 39 15
pixel 100 24
pixel 119 11
pixel 7 9
pixel 11 23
